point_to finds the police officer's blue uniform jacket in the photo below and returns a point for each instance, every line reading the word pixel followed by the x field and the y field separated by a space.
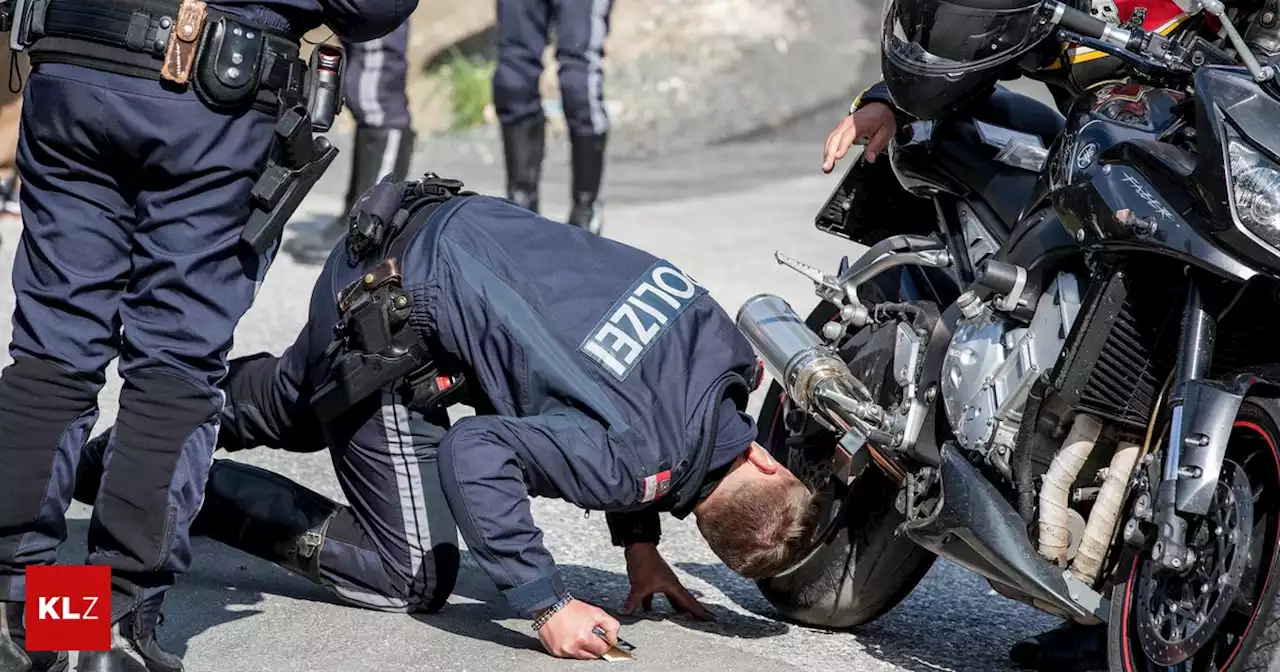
pixel 614 382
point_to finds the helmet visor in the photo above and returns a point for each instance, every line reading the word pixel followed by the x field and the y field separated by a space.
pixel 938 37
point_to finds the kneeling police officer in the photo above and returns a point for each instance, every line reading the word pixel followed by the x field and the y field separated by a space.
pixel 150 198
pixel 617 385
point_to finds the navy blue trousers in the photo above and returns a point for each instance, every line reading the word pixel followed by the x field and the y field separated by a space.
pixel 375 80
pixel 581 27
pixel 133 201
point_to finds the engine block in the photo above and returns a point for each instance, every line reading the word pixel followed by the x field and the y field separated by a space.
pixel 992 363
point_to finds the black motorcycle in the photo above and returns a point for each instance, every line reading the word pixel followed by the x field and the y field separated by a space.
pixel 1071 387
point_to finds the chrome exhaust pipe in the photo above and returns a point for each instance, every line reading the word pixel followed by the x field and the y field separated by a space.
pixel 812 374
pixel 792 353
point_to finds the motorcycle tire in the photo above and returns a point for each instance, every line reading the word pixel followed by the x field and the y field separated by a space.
pixel 865 570
pixel 1253 445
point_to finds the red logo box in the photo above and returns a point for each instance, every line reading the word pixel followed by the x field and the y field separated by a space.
pixel 68 608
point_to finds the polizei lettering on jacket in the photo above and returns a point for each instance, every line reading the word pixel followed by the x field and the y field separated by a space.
pixel 632 325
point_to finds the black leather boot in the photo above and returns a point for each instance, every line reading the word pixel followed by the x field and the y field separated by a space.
pixel 133 645
pixel 378 151
pixel 588 170
pixel 265 515
pixel 1070 647
pixel 13 643
pixel 523 146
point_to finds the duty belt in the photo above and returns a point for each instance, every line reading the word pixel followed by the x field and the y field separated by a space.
pixel 375 344
pixel 231 62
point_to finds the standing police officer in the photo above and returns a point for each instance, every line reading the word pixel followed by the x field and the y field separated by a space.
pixel 375 85
pixel 581 27
pixel 146 124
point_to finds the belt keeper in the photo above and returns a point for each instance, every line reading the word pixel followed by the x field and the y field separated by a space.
pixel 183 42
pixel 136 38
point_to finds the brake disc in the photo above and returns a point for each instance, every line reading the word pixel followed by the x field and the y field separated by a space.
pixel 1177 613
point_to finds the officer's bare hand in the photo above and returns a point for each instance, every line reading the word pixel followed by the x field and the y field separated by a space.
pixel 650 575
pixel 568 633
pixel 874 121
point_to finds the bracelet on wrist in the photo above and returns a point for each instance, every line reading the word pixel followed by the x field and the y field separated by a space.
pixel 550 611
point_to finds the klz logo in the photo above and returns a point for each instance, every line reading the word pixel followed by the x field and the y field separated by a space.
pixel 60 609
pixel 68 608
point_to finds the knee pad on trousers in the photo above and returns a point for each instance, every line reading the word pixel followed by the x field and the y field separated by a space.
pixel 447 560
pixel 584 110
pixel 144 498
pixel 39 400
pixel 414 594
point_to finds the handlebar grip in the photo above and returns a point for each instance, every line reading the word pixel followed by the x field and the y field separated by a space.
pixel 1079 22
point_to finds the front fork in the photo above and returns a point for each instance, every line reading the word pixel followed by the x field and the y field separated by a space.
pixel 1203 415
pixel 1195 353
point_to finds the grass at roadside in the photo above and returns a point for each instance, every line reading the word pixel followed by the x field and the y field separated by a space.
pixel 470 88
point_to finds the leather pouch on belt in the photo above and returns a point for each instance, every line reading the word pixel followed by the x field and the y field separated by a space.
pixel 230 64
pixel 184 42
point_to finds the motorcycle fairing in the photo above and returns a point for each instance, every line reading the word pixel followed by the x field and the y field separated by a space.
pixel 1120 208
pixel 1118 187
pixel 955 160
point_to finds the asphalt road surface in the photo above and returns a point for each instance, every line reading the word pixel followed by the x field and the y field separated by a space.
pixel 720 214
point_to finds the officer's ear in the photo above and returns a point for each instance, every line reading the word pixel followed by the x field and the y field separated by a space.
pixel 761 459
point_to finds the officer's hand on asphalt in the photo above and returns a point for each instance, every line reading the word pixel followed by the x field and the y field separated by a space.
pixel 874 121
pixel 568 633
pixel 650 574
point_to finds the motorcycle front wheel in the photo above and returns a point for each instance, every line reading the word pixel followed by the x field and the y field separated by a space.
pixel 864 570
pixel 1157 617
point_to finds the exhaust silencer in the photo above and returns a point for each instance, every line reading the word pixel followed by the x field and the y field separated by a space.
pixel 816 378
pixel 793 354
pixel 813 375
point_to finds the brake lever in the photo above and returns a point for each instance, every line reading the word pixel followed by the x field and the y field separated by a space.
pixel 1142 63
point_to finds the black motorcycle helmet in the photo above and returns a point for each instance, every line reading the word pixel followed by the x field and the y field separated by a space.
pixel 937 54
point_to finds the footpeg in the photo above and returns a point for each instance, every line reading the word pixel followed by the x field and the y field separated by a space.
pixel 825 285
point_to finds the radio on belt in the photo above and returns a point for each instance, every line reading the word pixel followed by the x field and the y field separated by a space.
pixel 324 86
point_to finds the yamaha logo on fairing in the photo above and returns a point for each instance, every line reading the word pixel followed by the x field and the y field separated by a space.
pixel 1085 158
pixel 633 323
